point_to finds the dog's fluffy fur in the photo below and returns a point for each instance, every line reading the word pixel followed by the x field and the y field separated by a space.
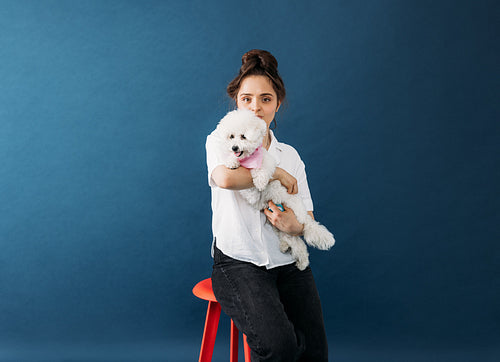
pixel 242 133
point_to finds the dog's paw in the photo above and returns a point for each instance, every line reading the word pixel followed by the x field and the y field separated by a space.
pixel 284 247
pixel 232 164
pixel 302 263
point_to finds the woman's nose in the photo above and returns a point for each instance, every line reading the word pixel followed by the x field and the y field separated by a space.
pixel 254 105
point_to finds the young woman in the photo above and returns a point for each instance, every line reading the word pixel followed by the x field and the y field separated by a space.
pixel 273 303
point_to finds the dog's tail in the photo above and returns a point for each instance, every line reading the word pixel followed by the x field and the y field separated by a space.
pixel 318 235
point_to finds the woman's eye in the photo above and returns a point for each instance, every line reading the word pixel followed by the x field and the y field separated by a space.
pixel 243 137
pixel 267 99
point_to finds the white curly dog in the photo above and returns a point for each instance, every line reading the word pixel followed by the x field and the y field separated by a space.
pixel 242 133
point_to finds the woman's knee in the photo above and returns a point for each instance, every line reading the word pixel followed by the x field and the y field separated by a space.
pixel 283 347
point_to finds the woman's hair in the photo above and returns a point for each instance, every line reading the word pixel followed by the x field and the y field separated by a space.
pixel 258 62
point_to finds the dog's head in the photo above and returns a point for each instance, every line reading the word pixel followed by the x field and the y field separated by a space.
pixel 242 132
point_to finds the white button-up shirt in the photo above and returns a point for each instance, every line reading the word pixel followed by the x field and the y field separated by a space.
pixel 240 231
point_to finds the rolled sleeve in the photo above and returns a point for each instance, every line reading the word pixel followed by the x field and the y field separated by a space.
pixel 304 192
pixel 214 158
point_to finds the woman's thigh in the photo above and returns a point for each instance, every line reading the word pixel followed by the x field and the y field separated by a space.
pixel 249 295
pixel 301 302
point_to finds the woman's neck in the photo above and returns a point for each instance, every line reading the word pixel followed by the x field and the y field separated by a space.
pixel 266 143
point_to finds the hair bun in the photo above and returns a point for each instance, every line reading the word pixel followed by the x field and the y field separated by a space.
pixel 259 58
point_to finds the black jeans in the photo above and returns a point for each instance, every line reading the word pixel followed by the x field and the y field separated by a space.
pixel 278 309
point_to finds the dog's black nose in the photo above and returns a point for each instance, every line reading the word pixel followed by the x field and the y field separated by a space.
pixel 235 148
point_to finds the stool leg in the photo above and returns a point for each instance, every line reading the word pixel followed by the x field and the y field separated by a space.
pixel 210 332
pixel 234 343
pixel 246 349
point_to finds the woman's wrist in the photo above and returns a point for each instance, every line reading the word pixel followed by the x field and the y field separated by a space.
pixel 276 174
pixel 298 230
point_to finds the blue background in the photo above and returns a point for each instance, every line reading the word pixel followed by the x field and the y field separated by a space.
pixel 104 202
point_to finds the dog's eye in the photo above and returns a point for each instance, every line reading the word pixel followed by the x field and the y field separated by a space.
pixel 243 137
pixel 232 136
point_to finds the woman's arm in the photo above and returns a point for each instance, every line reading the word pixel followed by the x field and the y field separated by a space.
pixel 241 178
pixel 286 180
pixel 232 179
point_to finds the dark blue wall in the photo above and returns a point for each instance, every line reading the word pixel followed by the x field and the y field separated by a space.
pixel 104 202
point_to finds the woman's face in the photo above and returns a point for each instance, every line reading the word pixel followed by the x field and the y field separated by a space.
pixel 257 94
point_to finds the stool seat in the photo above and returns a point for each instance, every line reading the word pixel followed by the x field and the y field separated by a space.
pixel 203 290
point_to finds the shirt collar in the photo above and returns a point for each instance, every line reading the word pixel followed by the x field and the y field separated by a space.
pixel 275 148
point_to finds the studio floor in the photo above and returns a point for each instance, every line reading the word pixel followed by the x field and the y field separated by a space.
pixel 187 351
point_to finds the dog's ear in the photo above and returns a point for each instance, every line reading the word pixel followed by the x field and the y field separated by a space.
pixel 256 132
pixel 224 122
pixel 221 128
pixel 253 134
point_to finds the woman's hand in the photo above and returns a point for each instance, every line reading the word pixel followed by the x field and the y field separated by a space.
pixel 286 220
pixel 286 180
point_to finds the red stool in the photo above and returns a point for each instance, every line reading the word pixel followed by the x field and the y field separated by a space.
pixel 203 290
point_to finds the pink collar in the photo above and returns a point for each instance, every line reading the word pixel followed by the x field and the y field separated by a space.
pixel 254 160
